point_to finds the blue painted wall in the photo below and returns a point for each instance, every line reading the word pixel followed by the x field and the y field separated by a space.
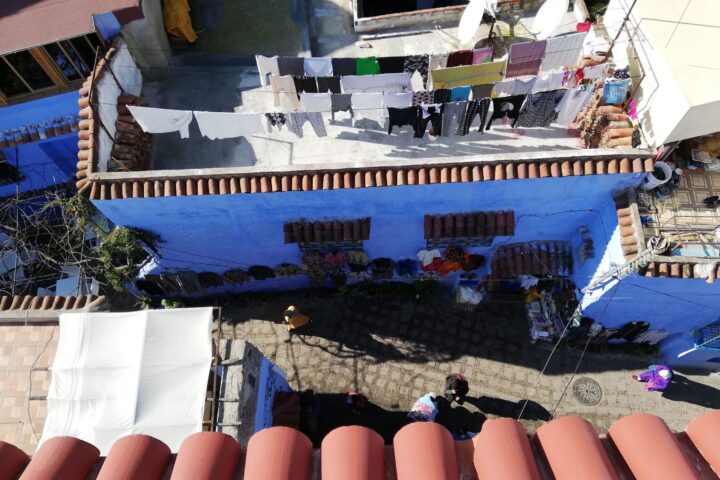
pixel 219 232
pixel 674 304
pixel 45 162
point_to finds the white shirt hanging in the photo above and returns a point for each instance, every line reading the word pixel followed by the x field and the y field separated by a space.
pixel 368 105
pixel 220 125
pixel 316 102
pixel 162 120
pixel 318 66
pixel 397 100
pixel 266 66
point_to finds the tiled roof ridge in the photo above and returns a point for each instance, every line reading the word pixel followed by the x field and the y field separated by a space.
pixel 87 127
pixel 359 177
pixel 469 224
pixel 502 449
pixel 632 242
pixel 49 303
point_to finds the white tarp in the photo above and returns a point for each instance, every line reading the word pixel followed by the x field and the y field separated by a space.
pixel 117 374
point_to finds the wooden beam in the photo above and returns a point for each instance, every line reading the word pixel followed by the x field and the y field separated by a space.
pixel 47 64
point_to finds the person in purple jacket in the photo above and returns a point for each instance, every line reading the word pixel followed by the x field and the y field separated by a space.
pixel 657 377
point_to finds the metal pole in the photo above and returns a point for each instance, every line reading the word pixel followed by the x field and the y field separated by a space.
pixel 617 35
pixel 213 408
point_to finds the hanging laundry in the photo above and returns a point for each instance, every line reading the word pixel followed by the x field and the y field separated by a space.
pixel 328 84
pixel 368 105
pixel 318 66
pixel 419 98
pixel 305 84
pixel 538 110
pixel 275 120
pixel 367 66
pixel 428 114
pixel 162 120
pixel 442 95
pixel 284 93
pixel 459 94
pixel 291 66
pixel 343 66
pixel 340 103
pixel 595 71
pixel 391 64
pixel 523 86
pixel 220 125
pixel 468 75
pixel 435 62
pixel 572 102
pixel 524 58
pixel 316 102
pixel 452 116
pixel 416 82
pixel 506 107
pixel 482 55
pixel 562 51
pixel 504 88
pixel 459 58
pixel 475 107
pixel 383 83
pixel 568 77
pixel 397 100
pixel 417 63
pixel 481 91
pixel 548 81
pixel 402 116
pixel 296 120
pixel 266 66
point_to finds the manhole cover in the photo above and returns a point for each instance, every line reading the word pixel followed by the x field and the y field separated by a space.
pixel 587 391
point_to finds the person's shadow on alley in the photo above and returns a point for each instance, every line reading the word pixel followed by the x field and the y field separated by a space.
pixel 682 389
pixel 506 408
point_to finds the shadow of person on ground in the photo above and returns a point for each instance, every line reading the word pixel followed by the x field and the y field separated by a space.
pixel 682 389
pixel 335 412
pixel 507 408
pixel 457 418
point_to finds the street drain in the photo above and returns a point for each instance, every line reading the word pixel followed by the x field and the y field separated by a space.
pixel 587 391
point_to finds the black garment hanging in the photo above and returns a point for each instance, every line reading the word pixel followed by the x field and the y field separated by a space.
pixel 305 84
pixel 343 66
pixel 442 95
pixel 482 91
pixel 291 66
pixel 475 107
pixel 426 96
pixel 430 113
pixel 506 107
pixel 402 117
pixel 417 63
pixel 538 109
pixel 328 84
pixel 391 64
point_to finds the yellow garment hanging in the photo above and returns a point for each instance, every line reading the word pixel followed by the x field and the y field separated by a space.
pixel 468 75
pixel 176 14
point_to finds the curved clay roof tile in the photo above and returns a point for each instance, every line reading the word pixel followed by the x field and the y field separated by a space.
pixel 503 452
pixel 573 450
pixel 703 432
pixel 62 458
pixel 425 451
pixel 12 460
pixel 278 453
pixel 353 453
pixel 135 456
pixel 207 456
pixel 649 448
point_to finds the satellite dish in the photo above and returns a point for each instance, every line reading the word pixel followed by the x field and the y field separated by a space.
pixel 472 17
pixel 548 18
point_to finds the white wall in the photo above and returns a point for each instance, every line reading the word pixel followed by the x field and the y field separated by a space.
pixel 128 74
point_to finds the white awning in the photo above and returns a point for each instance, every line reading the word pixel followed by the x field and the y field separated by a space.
pixel 117 374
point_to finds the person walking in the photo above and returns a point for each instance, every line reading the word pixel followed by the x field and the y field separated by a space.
pixel 425 409
pixel 456 388
pixel 657 377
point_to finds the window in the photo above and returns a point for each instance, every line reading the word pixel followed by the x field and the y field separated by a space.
pixel 708 337
pixel 340 234
pixel 55 65
pixel 29 69
pixel 473 229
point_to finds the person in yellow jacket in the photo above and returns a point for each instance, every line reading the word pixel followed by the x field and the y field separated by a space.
pixel 294 319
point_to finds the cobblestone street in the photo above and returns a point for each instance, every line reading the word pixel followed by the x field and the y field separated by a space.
pixel 395 351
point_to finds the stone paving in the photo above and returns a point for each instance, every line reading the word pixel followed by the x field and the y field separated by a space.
pixel 394 351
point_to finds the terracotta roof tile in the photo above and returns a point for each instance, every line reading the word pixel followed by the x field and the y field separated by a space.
pixel 29 302
pixel 568 448
pixel 327 231
pixel 532 258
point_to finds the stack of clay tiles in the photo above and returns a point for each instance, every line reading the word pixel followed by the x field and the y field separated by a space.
pixel 604 126
pixel 132 146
